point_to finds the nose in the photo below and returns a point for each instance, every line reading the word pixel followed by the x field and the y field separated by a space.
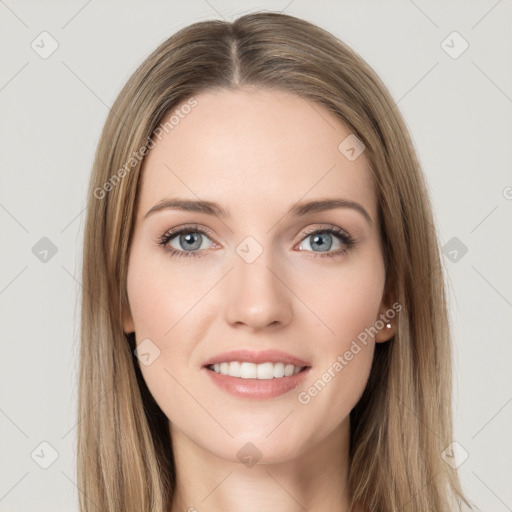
pixel 256 294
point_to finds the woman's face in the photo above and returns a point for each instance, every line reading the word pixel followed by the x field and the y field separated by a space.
pixel 254 278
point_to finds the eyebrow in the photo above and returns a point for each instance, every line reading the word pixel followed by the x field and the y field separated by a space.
pixel 297 210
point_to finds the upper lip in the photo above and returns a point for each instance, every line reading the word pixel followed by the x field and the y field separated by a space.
pixel 265 356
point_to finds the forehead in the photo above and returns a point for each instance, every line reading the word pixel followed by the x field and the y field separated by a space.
pixel 253 149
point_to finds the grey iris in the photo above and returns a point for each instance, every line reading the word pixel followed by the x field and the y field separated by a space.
pixel 318 237
pixel 191 240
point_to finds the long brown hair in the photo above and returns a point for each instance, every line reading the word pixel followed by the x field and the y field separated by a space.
pixel 403 421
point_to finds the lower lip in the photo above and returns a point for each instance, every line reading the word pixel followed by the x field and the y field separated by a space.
pixel 257 388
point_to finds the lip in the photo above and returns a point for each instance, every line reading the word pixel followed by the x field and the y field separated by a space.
pixel 265 356
pixel 257 389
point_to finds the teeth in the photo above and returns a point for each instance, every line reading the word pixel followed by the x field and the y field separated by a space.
pixel 264 371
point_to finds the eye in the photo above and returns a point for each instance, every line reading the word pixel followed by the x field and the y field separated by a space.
pixel 322 238
pixel 187 241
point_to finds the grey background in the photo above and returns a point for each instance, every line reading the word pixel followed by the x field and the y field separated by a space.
pixel 52 111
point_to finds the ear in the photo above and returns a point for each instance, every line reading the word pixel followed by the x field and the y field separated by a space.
pixel 128 324
pixel 386 320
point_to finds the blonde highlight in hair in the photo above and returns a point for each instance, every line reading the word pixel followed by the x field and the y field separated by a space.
pixel 403 421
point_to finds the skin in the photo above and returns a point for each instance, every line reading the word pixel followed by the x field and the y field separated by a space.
pixel 256 152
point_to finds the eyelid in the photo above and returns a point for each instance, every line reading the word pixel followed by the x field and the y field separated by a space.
pixel 188 227
pixel 327 227
pixel 202 229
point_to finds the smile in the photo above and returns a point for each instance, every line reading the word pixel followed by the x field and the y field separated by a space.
pixel 263 371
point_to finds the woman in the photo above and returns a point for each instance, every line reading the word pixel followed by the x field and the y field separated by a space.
pixel 264 324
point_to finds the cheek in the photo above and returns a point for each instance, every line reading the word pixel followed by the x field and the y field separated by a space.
pixel 164 306
pixel 158 299
pixel 347 308
pixel 352 308
pixel 345 299
pixel 159 309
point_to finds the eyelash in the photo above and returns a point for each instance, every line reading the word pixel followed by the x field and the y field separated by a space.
pixel 169 235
